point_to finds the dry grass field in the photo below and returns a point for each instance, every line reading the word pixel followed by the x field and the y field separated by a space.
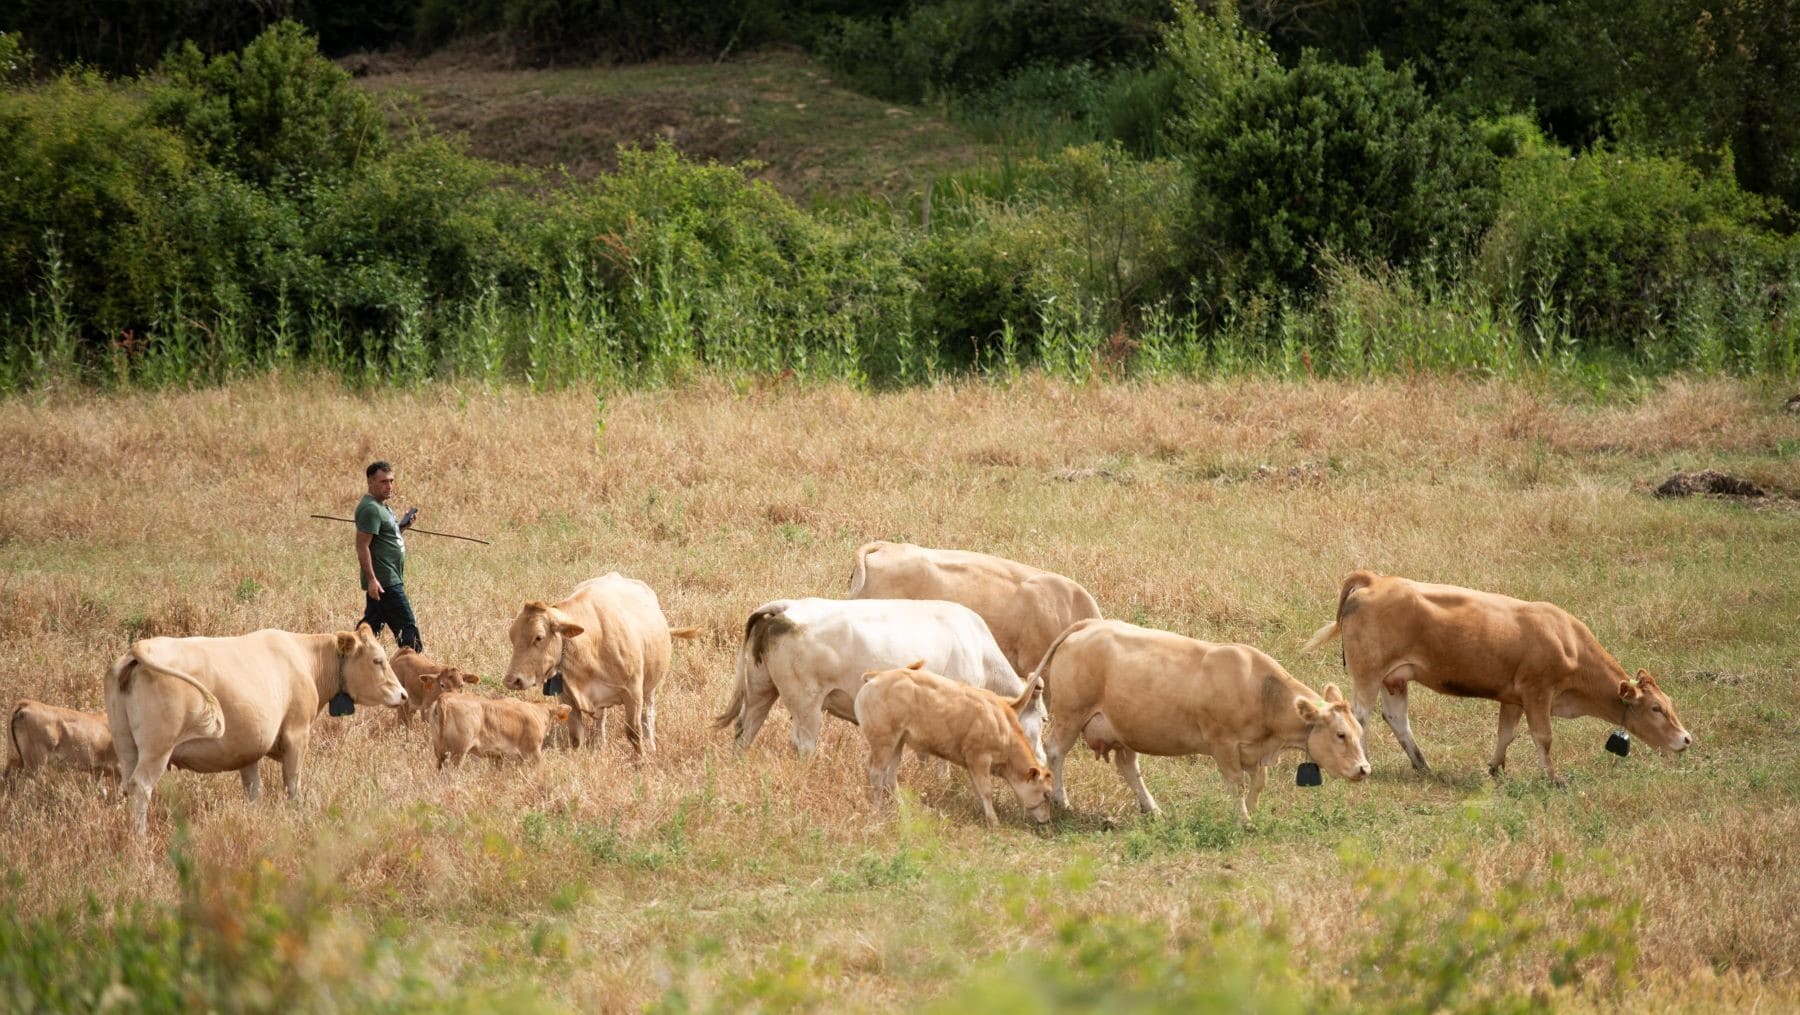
pixel 701 880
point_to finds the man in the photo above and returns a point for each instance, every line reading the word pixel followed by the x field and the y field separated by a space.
pixel 382 553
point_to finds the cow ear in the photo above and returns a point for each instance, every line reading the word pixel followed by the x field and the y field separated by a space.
pixel 568 630
pixel 347 642
pixel 916 664
pixel 1628 692
pixel 1333 695
pixel 1309 711
pixel 1035 774
pixel 470 678
pixel 1644 677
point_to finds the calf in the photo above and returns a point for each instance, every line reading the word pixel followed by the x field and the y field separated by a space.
pixel 410 667
pixel 1532 658
pixel 969 726
pixel 465 724
pixel 41 733
pixel 1132 690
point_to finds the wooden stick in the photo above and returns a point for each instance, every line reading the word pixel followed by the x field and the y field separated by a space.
pixel 415 528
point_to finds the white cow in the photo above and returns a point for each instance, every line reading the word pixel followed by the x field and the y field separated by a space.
pixel 812 654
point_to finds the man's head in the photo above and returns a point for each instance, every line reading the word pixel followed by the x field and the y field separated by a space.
pixel 381 480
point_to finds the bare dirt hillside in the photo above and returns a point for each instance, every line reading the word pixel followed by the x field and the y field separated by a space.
pixel 812 136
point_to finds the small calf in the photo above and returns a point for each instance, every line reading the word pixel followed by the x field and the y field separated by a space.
pixel 411 667
pixel 465 724
pixel 39 733
pixel 969 726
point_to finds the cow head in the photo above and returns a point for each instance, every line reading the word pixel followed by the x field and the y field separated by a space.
pixel 1033 788
pixel 433 686
pixel 368 676
pixel 537 634
pixel 1334 738
pixel 1650 716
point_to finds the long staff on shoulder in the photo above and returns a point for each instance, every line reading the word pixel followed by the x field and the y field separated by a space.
pixel 415 528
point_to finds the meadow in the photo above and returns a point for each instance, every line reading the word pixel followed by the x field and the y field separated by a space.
pixel 700 880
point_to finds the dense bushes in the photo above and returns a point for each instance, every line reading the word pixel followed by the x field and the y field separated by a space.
pixel 249 210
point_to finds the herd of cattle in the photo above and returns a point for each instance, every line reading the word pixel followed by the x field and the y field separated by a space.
pixel 988 663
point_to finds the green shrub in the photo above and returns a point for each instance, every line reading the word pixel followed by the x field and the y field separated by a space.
pixel 1630 248
pixel 278 114
pixel 1324 157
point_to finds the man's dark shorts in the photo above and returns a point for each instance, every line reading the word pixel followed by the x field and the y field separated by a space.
pixel 392 610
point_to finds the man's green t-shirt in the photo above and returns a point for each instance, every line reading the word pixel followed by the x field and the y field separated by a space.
pixel 387 551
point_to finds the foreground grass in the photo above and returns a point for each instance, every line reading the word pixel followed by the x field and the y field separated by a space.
pixel 1226 511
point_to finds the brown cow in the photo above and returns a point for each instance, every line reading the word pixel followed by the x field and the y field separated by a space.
pixel 410 666
pixel 1025 607
pixel 1532 658
pixel 499 728
pixel 224 704
pixel 610 642
pixel 969 726
pixel 42 733
pixel 1134 690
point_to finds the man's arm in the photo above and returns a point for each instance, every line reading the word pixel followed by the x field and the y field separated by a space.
pixel 363 539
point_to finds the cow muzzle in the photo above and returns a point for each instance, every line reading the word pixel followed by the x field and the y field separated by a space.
pixel 516 683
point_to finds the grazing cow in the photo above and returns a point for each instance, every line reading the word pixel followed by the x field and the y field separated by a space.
pixel 1132 690
pixel 499 728
pixel 812 653
pixel 410 667
pixel 224 704
pixel 969 726
pixel 1025 607
pixel 1532 658
pixel 42 733
pixel 610 643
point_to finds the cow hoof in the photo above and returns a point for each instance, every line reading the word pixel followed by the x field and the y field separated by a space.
pixel 1496 771
pixel 1108 825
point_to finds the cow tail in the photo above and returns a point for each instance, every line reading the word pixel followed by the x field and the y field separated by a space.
pixel 1039 674
pixel 212 723
pixel 734 709
pixel 16 757
pixel 684 632
pixel 859 572
pixel 1032 685
pixel 1353 582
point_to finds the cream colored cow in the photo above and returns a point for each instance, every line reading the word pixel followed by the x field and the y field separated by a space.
pixel 1533 658
pixel 610 642
pixel 969 726
pixel 1133 690
pixel 1025 607
pixel 224 704
pixel 42 733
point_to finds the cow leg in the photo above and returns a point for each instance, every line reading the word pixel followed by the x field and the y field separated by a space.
pixel 1057 741
pixel 759 698
pixel 1393 709
pixel 981 768
pixel 884 766
pixel 149 768
pixel 292 751
pixel 1234 783
pixel 252 776
pixel 634 722
pixel 809 715
pixel 576 724
pixel 1125 760
pixel 1537 718
pixel 1258 777
pixel 1509 728
pixel 650 718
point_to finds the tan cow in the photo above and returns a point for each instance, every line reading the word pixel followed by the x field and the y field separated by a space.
pixel 1532 658
pixel 969 726
pixel 42 733
pixel 224 704
pixel 499 728
pixel 1132 690
pixel 1025 607
pixel 410 667
pixel 610 642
